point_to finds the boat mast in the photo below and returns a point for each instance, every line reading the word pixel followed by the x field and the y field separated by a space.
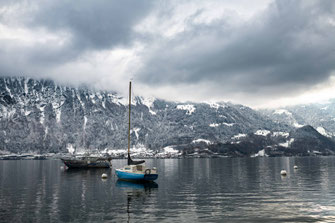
pixel 129 119
pixel 130 161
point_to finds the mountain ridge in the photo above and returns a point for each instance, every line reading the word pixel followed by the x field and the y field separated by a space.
pixel 41 116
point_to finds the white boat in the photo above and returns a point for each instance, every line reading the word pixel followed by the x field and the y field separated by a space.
pixel 135 170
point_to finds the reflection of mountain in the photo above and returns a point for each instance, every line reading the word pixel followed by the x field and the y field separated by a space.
pixel 69 172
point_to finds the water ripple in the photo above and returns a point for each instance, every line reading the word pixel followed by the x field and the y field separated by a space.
pixel 190 190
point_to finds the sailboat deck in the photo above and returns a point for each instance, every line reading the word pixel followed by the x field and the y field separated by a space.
pixel 138 169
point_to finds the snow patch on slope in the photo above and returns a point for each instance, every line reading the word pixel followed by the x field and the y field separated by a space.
pixel 92 97
pixel 213 125
pixel 284 134
pixel 201 140
pixel 238 136
pixel 58 111
pixel 26 86
pixel 297 125
pixel 136 130
pixel 188 108
pixel 168 152
pixel 26 113
pixel 169 149
pixel 260 153
pixel 322 131
pixel 282 111
pixel 287 143
pixel 70 148
pixel 262 132
pixel 118 99
pixel 8 90
pixel 85 122
pixel 215 105
pixel 42 118
pixel 149 102
pixel 228 124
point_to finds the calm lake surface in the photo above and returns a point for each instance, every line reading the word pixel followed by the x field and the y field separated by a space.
pixel 187 190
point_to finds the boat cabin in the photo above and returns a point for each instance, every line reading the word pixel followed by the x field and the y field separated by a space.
pixel 134 168
pixel 140 168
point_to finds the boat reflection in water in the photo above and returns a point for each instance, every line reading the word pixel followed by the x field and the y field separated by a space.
pixel 85 174
pixel 136 185
pixel 137 192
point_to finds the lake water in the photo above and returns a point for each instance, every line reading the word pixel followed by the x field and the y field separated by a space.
pixel 187 190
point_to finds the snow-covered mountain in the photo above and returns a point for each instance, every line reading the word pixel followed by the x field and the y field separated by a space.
pixel 320 116
pixel 39 115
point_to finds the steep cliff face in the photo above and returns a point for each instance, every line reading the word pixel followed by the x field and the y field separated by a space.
pixel 41 116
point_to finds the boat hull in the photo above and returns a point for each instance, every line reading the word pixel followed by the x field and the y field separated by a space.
pixel 85 164
pixel 135 176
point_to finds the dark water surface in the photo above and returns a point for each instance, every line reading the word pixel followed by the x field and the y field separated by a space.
pixel 187 190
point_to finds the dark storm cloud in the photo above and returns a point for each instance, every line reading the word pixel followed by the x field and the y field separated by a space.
pixel 93 24
pixel 87 26
pixel 291 43
pixel 284 49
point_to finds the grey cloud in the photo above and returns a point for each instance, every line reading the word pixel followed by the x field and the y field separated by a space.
pixel 291 44
pixel 94 24
pixel 89 26
pixel 285 49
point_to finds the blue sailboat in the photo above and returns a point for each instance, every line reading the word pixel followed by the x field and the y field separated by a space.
pixel 135 170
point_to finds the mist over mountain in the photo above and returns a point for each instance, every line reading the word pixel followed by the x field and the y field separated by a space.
pixel 41 116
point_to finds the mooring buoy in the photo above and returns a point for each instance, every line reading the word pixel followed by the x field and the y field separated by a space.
pixel 104 176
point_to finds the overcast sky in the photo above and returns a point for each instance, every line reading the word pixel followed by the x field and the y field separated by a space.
pixel 259 53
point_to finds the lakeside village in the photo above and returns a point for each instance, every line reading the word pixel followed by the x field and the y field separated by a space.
pixel 167 152
pixel 144 153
